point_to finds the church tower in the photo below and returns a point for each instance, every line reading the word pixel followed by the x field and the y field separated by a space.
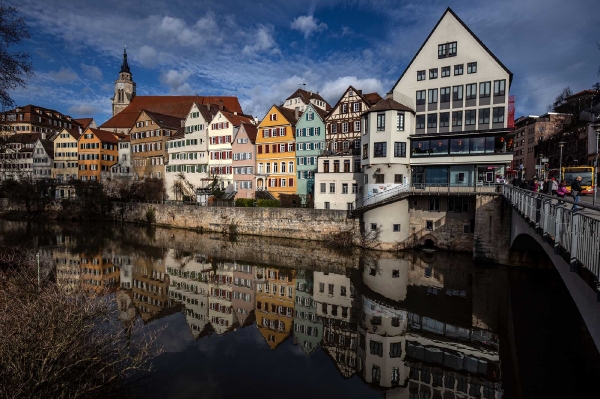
pixel 124 87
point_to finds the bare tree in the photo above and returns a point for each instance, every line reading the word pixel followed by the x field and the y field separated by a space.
pixel 63 345
pixel 15 66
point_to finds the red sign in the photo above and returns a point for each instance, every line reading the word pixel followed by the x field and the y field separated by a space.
pixel 510 123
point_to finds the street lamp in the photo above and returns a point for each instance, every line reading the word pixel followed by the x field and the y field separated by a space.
pixel 597 129
pixel 561 144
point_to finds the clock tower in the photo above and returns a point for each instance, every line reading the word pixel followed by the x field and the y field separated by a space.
pixel 124 87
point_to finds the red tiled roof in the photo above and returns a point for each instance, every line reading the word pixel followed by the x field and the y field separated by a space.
pixel 177 106
pixel 24 138
pixel 176 136
pixel 164 121
pixel 84 122
pixel 237 120
pixel 388 104
pixel 307 96
pixel 583 93
pixel 107 137
pixel 289 114
pixel 251 131
pixel 73 132
pixel 372 98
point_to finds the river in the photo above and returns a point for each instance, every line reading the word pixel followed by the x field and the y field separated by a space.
pixel 274 318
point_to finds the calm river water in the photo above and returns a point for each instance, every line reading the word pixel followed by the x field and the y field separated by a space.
pixel 255 317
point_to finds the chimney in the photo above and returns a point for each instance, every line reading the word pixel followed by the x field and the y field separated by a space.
pixel 183 123
pixel 310 93
pixel 79 127
pixel 43 136
pixel 220 105
pixel 235 112
pixel 208 105
pixel 359 92
pixel 297 113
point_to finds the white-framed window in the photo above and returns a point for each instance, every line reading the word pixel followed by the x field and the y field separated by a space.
pixel 283 183
pixel 345 127
pixel 357 126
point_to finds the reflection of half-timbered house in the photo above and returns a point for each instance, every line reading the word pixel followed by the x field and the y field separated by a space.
pixel 344 121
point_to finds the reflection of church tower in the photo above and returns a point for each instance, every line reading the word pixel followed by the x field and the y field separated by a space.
pixel 124 87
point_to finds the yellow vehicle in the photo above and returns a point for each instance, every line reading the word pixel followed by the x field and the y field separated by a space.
pixel 588 177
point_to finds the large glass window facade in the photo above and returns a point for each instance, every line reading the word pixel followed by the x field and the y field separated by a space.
pixel 461 145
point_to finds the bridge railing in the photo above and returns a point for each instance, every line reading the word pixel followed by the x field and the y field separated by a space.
pixel 383 195
pixel 577 233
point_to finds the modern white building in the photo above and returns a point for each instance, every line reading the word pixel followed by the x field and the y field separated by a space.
pixel 337 182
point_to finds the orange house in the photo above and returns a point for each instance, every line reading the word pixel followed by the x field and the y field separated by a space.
pixel 98 152
pixel 276 152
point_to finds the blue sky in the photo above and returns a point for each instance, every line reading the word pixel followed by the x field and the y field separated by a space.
pixel 262 50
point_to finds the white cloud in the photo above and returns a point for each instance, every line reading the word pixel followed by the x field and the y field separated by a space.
pixel 176 81
pixel 148 56
pixel 333 90
pixel 92 72
pixel 63 75
pixel 82 110
pixel 262 40
pixel 307 24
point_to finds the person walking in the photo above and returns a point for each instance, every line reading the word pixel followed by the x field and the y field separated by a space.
pixel 575 193
pixel 536 185
pixel 561 191
pixel 553 186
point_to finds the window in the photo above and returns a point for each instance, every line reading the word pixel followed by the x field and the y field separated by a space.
pixel 327 206
pixel 457 118
pixel 458 69
pixel 376 348
pixel 379 149
pixel 421 97
pixel 365 151
pixel 445 94
pixel 484 116
pixel 345 127
pixel 445 72
pixel 420 122
pixel 472 67
pixel 331 188
pixel 396 228
pixel 457 93
pixel 434 203
pixel 357 126
pixel 395 347
pixel 447 50
pixel 484 89
pixel 373 226
pixel 342 291
pixel 432 120
pixel 378 178
pixel 356 107
pixel 344 108
pixel 498 115
pixel 458 204
pixel 433 73
pixel 472 91
pixel 420 75
pixel 470 117
pixel 429 224
pixel 433 96
pixel 380 121
pixel 399 178
pixel 499 87
pixel 400 121
pixel 323 187
pixel 344 188
pixel 444 119
pixel 400 149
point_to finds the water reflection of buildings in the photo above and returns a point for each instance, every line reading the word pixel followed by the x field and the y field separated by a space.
pixel 275 303
pixel 150 284
pixel 334 295
pixel 308 327
pixel 422 343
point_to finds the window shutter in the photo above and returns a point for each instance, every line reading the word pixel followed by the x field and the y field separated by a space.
pixel 291 182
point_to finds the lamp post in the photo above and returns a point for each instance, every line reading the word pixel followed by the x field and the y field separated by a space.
pixel 597 129
pixel 561 144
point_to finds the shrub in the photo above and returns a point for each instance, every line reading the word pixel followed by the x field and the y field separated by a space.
pixel 267 203
pixel 244 202
pixel 151 216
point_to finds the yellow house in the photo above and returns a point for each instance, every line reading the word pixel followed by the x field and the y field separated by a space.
pixel 275 305
pixel 66 165
pixel 276 152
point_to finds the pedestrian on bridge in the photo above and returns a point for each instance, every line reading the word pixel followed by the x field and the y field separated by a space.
pixel 562 189
pixel 575 191
pixel 554 186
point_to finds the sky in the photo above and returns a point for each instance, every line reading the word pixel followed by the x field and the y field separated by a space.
pixel 262 51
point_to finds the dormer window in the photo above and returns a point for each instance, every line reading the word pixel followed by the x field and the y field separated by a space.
pixel 447 50
pixel 273 117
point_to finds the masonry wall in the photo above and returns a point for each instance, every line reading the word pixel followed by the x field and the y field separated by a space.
pixel 294 223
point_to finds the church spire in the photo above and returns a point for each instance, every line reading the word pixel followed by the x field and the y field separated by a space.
pixel 125 66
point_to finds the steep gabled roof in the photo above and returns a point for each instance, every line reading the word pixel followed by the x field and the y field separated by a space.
pixel 251 131
pixel 236 120
pixel 178 106
pixel 306 96
pixel 105 136
pixel 164 121
pixel 288 114
pixel 370 98
pixel 388 104
pixel 449 10
pixel 24 138
pixel 84 122
pixel 48 147
pixel 73 132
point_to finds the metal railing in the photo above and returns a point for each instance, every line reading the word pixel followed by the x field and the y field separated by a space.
pixel 383 195
pixel 477 188
pixel 576 233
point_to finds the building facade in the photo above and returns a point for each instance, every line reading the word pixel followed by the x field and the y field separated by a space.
pixel 244 161
pixel 43 159
pixel 122 169
pixel 16 158
pixel 301 99
pixel 124 87
pixel 276 152
pixel 34 119
pixel 149 144
pixel 98 152
pixel 310 144
pixel 66 157
pixel 338 182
